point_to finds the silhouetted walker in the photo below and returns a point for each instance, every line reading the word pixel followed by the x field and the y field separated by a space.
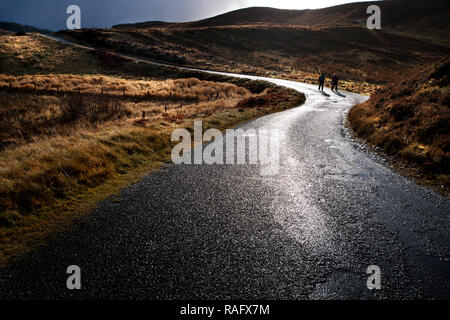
pixel 334 82
pixel 321 82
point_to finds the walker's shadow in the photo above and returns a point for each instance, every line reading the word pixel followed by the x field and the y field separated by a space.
pixel 339 94
pixel 324 93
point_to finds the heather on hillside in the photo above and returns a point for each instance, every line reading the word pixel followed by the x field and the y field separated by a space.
pixel 410 120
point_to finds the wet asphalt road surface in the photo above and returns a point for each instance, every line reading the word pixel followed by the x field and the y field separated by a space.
pixel 228 232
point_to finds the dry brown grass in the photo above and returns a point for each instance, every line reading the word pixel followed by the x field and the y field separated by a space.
pixel 45 182
pixel 79 135
pixel 72 134
pixel 180 89
pixel 44 131
pixel 33 53
pixel 410 121
pixel 37 105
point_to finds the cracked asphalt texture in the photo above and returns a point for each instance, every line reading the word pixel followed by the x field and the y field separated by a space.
pixel 227 232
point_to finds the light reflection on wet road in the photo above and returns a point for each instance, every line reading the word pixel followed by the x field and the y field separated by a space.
pixel 208 232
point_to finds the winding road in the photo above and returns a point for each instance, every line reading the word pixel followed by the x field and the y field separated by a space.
pixel 227 232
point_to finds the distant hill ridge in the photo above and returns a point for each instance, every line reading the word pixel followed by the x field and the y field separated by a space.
pixel 394 12
pixel 16 27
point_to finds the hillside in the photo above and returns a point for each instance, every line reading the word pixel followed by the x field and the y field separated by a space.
pixel 294 44
pixel 16 27
pixel 362 58
pixel 426 19
pixel 410 122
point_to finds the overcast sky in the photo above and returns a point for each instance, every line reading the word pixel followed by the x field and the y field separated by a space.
pixel 51 14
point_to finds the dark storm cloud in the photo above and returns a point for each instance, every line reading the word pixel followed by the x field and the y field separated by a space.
pixel 51 14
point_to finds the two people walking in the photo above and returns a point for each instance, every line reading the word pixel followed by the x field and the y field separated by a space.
pixel 334 82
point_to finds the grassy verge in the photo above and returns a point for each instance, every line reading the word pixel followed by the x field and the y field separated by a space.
pixel 408 122
pixel 73 137
pixel 362 59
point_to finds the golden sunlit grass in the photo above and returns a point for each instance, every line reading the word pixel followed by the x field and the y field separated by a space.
pixel 43 180
pixel 36 105
pixel 69 140
pixel 34 53
pixel 55 177
pixel 87 140
pixel 180 89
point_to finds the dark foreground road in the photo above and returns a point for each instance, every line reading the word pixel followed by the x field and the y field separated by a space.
pixel 224 232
